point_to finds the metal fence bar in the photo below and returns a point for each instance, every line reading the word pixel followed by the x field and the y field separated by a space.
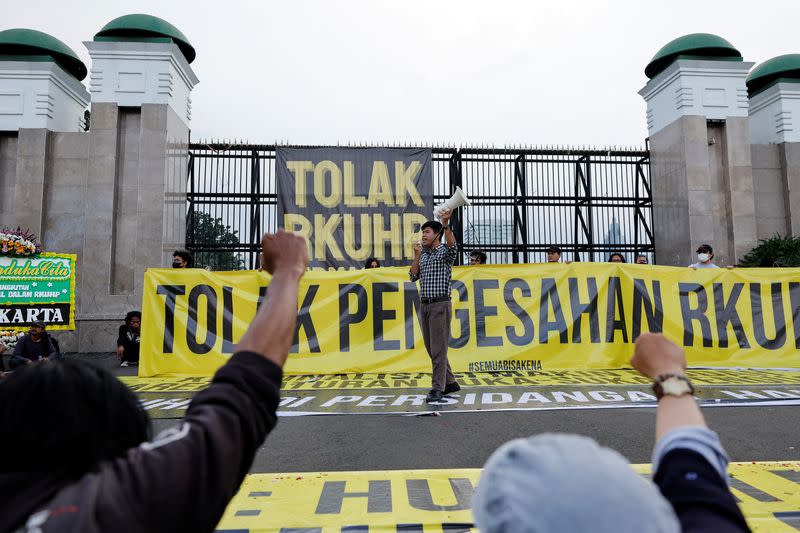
pixel 589 202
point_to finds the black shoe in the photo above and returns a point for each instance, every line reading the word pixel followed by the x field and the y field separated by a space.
pixel 433 396
pixel 451 388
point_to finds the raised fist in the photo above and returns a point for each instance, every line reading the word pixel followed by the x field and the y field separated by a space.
pixel 284 252
pixel 655 355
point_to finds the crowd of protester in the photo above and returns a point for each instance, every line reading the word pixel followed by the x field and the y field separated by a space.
pixel 705 257
pixel 84 459
pixel 89 464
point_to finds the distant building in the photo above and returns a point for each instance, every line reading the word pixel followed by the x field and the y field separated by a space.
pixel 488 232
pixel 614 233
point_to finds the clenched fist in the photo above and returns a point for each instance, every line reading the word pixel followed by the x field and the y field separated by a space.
pixel 284 252
pixel 655 355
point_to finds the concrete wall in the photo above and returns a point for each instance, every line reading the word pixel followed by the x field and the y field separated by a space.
pixel 115 196
pixel 736 184
pixel 669 171
pixel 8 177
pixel 768 190
pixel 702 183
pixel 790 162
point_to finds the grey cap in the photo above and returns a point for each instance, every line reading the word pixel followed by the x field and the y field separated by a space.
pixel 562 483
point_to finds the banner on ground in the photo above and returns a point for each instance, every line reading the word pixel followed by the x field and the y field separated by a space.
pixel 441 500
pixel 404 393
pixel 355 203
pixel 38 288
pixel 505 318
pixel 481 399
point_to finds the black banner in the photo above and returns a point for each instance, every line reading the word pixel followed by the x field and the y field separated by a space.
pixel 355 203
pixel 20 315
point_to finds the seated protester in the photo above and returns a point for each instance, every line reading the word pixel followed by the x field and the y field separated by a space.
pixel 477 257
pixel 569 483
pixel 641 259
pixel 372 262
pixel 79 437
pixel 128 339
pixel 616 257
pixel 35 345
pixel 705 257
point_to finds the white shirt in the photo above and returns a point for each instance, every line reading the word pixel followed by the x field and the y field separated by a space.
pixel 704 265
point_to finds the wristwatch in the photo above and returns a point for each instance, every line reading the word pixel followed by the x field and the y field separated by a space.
pixel 672 385
pixel 447 228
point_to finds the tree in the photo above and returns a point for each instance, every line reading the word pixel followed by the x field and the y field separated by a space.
pixel 777 251
pixel 213 232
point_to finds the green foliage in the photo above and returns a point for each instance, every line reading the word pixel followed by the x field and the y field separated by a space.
pixel 210 231
pixel 777 251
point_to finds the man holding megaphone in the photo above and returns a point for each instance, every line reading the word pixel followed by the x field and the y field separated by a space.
pixel 433 267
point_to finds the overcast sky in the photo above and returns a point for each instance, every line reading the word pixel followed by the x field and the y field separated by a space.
pixel 455 72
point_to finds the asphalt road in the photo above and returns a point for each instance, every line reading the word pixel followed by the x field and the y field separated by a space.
pixel 465 440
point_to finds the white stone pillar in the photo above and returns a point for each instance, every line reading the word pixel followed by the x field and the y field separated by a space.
pixel 132 73
pixel 40 83
pixel 701 173
pixel 140 85
pixel 715 90
pixel 775 134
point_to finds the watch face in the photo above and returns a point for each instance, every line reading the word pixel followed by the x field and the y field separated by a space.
pixel 675 387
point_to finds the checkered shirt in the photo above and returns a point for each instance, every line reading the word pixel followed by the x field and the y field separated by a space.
pixel 436 271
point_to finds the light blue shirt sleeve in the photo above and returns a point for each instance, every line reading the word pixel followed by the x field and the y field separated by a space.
pixel 697 439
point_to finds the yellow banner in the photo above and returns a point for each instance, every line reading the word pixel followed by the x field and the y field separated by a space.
pixel 440 500
pixel 505 318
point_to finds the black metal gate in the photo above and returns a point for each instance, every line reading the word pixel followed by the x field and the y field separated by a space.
pixel 587 202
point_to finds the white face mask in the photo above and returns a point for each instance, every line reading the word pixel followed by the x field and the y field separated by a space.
pixel 703 257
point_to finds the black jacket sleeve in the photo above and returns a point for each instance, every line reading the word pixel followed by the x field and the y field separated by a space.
pixel 122 338
pixel 183 480
pixel 51 349
pixel 698 494
pixel 19 349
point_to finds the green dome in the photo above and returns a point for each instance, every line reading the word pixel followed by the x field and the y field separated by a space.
pixel 140 27
pixel 781 67
pixel 23 43
pixel 704 45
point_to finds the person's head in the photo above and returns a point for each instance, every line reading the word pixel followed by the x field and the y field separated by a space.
pixel 133 319
pixel 477 257
pixel 576 484
pixel 372 262
pixel 616 257
pixel 705 253
pixel 181 259
pixel 37 329
pixel 431 233
pixel 641 259
pixel 65 417
pixel 553 254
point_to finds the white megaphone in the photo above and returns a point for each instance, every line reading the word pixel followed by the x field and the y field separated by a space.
pixel 457 200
